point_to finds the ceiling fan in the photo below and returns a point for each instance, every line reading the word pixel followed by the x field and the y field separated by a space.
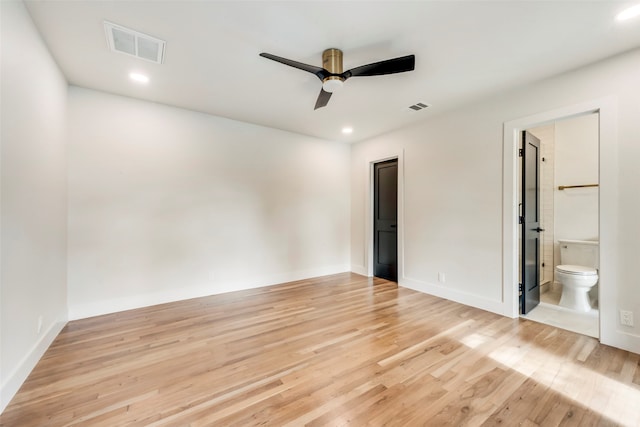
pixel 333 77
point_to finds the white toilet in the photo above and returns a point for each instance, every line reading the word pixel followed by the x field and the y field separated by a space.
pixel 577 272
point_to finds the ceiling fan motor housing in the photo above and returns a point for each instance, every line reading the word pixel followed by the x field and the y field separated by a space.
pixel 332 62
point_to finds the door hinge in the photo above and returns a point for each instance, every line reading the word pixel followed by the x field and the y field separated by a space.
pixel 520 219
pixel 520 288
pixel 520 152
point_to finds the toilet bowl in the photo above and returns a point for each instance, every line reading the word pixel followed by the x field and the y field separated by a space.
pixel 576 281
pixel 577 272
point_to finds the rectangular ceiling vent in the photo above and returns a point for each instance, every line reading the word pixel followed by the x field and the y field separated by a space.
pixel 419 106
pixel 134 43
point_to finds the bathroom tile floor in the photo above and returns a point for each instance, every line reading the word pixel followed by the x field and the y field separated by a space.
pixel 550 313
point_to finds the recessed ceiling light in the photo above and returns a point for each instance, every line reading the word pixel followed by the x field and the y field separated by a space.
pixel 139 78
pixel 629 13
pixel 347 130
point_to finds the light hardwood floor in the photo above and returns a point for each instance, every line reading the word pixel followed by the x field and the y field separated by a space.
pixel 336 350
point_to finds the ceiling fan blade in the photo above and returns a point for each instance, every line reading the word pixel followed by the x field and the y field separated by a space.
pixel 323 99
pixel 389 66
pixel 321 73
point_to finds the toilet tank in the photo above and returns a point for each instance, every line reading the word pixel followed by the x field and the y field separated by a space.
pixel 580 252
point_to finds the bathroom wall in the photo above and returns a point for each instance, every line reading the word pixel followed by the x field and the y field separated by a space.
pixel 576 163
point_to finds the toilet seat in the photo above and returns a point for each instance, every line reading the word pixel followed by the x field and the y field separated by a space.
pixel 577 270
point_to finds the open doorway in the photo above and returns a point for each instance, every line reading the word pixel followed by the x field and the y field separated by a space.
pixel 558 248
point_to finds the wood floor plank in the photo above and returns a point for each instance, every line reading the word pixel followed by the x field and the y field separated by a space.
pixel 334 350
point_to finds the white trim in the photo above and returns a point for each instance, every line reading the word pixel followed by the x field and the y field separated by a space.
pixel 359 269
pixel 12 383
pixel 368 203
pixel 82 311
pixel 440 291
pixel 608 159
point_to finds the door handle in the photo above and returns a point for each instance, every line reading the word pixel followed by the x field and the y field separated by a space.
pixel 538 229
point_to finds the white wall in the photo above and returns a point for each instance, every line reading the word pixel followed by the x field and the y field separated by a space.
pixel 166 203
pixel 33 194
pixel 452 211
pixel 453 180
pixel 576 154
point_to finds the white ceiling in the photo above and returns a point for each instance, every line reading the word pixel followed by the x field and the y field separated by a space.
pixel 464 50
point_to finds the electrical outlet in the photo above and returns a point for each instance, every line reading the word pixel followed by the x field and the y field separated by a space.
pixel 441 277
pixel 626 317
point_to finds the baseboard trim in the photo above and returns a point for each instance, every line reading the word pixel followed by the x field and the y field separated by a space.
pixel 621 339
pixel 16 378
pixel 476 301
pixel 359 269
pixel 130 302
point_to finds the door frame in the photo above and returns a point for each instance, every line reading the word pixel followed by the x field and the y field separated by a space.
pixel 369 210
pixel 608 209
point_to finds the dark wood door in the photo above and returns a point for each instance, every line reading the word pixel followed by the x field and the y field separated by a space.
pixel 530 223
pixel 385 241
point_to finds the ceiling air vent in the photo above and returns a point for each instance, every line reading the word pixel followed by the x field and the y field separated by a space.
pixel 419 106
pixel 134 43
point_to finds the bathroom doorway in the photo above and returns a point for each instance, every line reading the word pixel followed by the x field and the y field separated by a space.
pixel 567 204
